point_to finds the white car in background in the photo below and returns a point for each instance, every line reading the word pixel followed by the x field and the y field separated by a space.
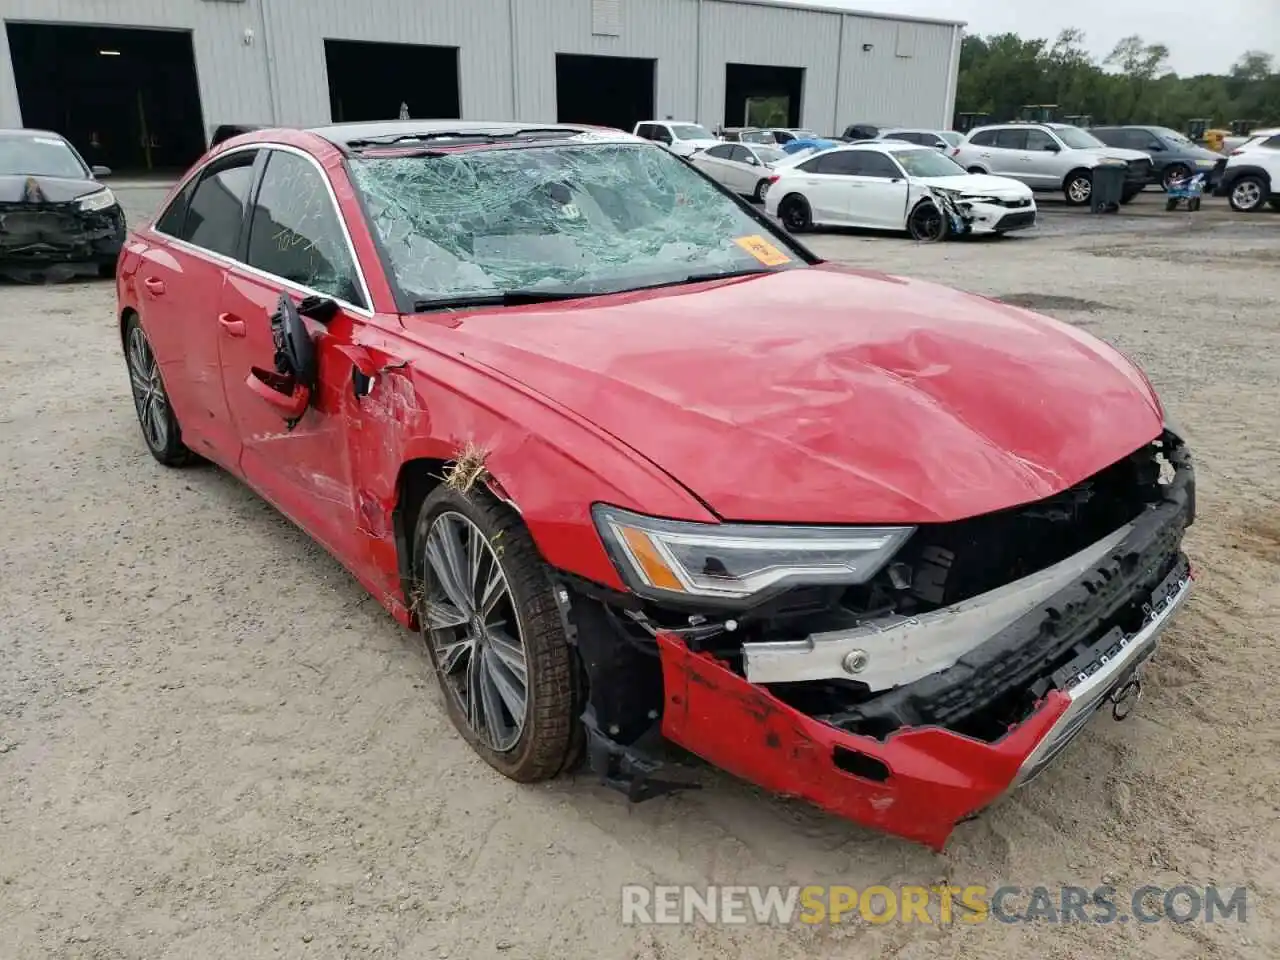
pixel 938 139
pixel 682 138
pixel 878 185
pixel 744 168
pixel 1251 179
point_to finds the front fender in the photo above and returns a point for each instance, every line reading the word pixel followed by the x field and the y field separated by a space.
pixel 550 463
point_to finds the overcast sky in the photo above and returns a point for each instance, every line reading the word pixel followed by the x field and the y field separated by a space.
pixel 1202 37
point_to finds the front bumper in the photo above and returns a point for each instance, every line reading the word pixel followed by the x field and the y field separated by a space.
pixel 1004 217
pixel 33 236
pixel 1072 654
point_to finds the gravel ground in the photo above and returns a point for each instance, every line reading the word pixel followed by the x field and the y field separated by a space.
pixel 213 744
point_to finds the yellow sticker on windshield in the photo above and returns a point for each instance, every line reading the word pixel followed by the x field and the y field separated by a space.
pixel 763 250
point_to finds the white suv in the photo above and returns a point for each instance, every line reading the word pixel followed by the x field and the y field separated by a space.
pixel 1049 157
pixel 680 137
pixel 1252 176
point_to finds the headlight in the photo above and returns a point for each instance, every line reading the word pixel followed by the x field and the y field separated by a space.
pixel 670 558
pixel 103 199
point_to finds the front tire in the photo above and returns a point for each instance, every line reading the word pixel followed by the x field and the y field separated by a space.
pixel 160 427
pixel 795 214
pixel 1078 188
pixel 1248 194
pixel 494 634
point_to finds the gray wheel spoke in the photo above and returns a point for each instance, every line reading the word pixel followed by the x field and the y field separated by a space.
pixel 140 383
pixel 508 655
pixel 503 680
pixel 447 560
pixel 450 653
pixel 477 642
pixel 443 615
pixel 495 588
pixel 495 730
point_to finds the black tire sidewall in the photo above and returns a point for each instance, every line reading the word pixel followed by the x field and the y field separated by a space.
pixel 543 748
pixel 798 202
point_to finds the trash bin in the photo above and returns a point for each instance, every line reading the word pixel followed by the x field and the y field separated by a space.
pixel 1108 186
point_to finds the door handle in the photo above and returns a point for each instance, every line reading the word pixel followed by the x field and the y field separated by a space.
pixel 154 285
pixel 231 325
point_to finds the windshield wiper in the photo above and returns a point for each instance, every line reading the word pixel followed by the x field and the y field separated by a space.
pixel 727 275
pixel 505 298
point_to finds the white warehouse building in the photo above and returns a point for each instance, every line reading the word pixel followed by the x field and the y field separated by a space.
pixel 140 84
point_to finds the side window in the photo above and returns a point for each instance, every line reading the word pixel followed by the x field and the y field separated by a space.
pixel 170 221
pixel 295 233
pixel 783 136
pixel 216 211
pixel 645 130
pixel 987 138
pixel 841 164
pixel 813 165
pixel 873 164
pixel 662 134
pixel 722 152
pixel 742 155
pixel 1011 139
pixel 1272 143
pixel 1040 141
pixel 1112 138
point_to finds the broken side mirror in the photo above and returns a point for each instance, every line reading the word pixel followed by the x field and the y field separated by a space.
pixel 290 385
pixel 99 171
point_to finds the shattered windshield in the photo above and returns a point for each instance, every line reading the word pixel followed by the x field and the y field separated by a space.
pixel 39 157
pixel 927 163
pixel 581 219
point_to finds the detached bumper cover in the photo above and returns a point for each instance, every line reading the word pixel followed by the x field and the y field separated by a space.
pixel 32 235
pixel 1071 654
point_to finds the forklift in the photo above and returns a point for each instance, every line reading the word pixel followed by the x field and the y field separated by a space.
pixel 968 121
pixel 1038 113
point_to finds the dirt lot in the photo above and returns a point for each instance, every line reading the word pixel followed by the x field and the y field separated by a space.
pixel 213 744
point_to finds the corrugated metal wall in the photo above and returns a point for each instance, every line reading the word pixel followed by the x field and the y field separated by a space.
pixel 663 30
pixel 906 78
pixel 507 53
pixel 232 74
pixel 770 36
pixel 480 29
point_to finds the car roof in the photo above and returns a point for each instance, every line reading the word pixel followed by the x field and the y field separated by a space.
pixel 345 134
pixel 30 132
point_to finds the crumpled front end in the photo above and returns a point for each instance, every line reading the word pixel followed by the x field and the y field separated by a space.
pixel 58 238
pixel 912 702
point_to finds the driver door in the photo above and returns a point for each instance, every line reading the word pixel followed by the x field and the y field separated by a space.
pixel 295 246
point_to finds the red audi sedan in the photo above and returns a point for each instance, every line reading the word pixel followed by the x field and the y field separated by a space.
pixel 642 470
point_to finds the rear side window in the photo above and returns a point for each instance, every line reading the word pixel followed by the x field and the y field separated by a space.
pixel 216 210
pixel 723 152
pixel 1271 142
pixel 987 138
pixel 842 163
pixel 295 233
pixel 1011 139
pixel 872 164
pixel 170 222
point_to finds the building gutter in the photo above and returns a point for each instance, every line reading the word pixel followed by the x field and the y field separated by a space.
pixel 697 71
pixel 953 77
pixel 273 85
pixel 515 62
pixel 835 123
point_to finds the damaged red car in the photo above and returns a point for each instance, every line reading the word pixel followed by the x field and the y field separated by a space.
pixel 644 471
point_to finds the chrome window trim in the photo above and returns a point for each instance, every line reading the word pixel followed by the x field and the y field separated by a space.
pixel 219 258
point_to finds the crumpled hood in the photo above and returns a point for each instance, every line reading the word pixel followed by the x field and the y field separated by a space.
pixel 827 395
pixel 13 188
pixel 980 184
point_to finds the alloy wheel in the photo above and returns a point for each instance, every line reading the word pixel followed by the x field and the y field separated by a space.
pixel 148 390
pixel 1080 189
pixel 475 632
pixel 1246 195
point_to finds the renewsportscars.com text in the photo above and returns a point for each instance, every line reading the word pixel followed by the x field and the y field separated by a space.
pixel 931 905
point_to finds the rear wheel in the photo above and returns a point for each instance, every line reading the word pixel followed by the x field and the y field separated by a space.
pixel 795 214
pixel 761 187
pixel 1171 203
pixel 494 634
pixel 1248 194
pixel 160 427
pixel 1078 188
